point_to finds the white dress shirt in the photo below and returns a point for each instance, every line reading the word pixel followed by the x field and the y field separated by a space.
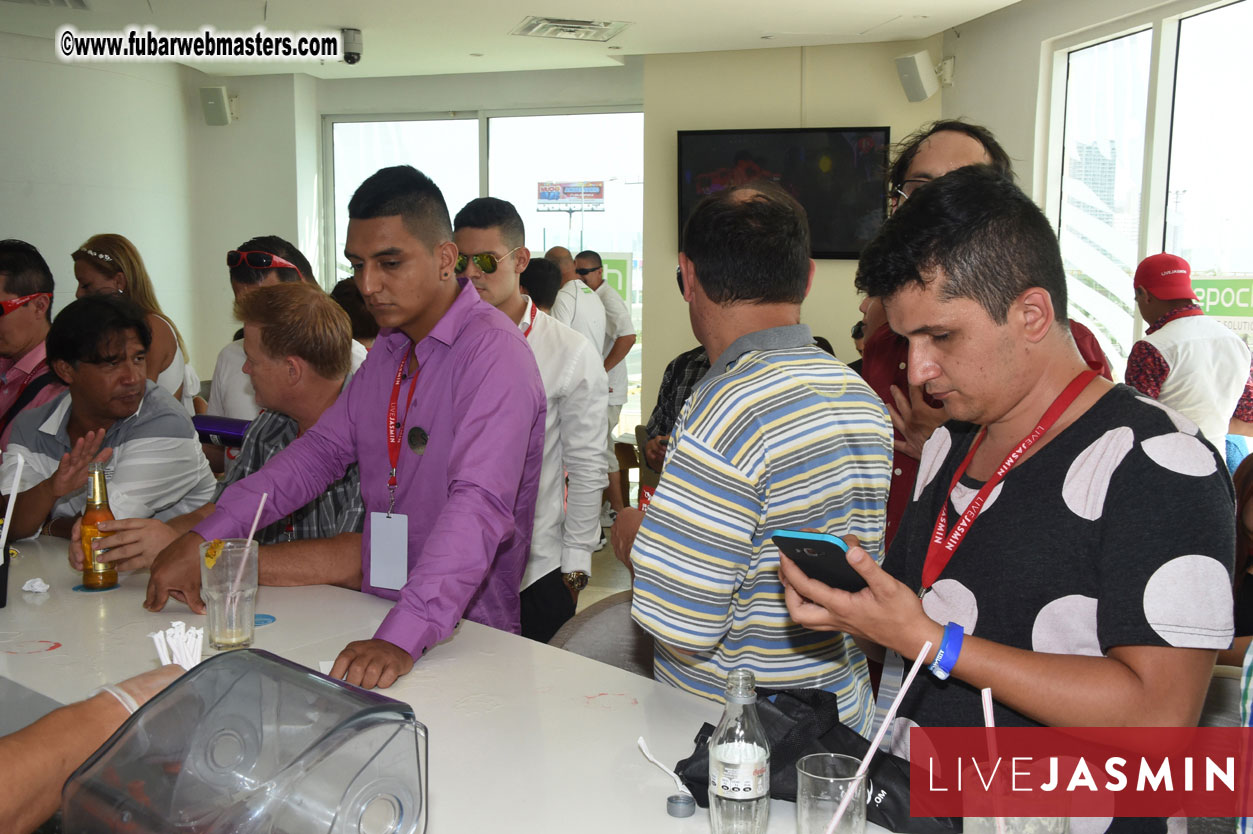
pixel 617 324
pixel 578 308
pixel 566 532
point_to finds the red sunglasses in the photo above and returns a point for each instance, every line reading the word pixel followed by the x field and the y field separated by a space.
pixel 260 260
pixel 12 304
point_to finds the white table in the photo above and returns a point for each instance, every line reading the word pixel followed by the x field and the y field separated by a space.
pixel 560 730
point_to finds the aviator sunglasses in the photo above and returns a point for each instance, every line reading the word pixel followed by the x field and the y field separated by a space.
pixel 486 261
pixel 12 304
pixel 260 260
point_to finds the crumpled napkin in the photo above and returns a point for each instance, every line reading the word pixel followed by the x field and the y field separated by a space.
pixel 36 586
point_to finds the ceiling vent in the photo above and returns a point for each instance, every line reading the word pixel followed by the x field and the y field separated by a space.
pixel 571 30
pixel 81 5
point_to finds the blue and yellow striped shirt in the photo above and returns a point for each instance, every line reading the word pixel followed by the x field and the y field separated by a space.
pixel 785 437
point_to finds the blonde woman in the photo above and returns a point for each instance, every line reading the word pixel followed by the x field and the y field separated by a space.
pixel 109 264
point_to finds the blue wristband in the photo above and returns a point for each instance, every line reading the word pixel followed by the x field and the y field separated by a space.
pixel 950 648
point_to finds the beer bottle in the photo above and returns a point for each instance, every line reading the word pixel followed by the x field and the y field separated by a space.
pixel 96 575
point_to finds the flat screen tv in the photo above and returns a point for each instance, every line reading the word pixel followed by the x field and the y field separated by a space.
pixel 836 173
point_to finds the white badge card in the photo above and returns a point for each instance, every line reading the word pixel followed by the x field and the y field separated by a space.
pixel 389 550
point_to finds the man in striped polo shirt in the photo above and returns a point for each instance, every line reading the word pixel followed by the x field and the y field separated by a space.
pixel 778 434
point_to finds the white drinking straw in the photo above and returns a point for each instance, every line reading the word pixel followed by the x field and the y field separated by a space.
pixel 256 519
pixel 990 723
pixel 874 745
pixel 8 512
pixel 233 596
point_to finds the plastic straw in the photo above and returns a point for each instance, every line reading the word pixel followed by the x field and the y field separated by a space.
pixel 883 728
pixel 8 512
pixel 233 596
pixel 990 723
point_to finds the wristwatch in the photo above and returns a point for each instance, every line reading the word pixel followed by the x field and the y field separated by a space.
pixel 575 580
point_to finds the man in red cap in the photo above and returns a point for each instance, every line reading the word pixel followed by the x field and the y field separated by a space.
pixel 1187 360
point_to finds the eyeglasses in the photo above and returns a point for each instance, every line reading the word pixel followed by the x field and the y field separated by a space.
pixel 906 189
pixel 12 304
pixel 588 270
pixel 486 261
pixel 260 260
pixel 678 276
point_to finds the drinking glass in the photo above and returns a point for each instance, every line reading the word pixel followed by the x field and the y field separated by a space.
pixel 822 779
pixel 228 585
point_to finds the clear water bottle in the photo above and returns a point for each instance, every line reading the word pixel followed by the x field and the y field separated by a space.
pixel 739 763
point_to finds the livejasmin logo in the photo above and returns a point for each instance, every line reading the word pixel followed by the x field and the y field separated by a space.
pixel 1022 774
pixel 1121 772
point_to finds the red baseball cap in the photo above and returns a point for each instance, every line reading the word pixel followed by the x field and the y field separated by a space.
pixel 1168 277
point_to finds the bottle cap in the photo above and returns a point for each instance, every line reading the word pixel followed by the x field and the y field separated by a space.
pixel 680 805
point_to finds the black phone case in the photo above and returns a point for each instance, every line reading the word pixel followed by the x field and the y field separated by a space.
pixel 823 561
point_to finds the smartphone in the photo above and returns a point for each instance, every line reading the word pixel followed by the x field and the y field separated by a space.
pixel 820 556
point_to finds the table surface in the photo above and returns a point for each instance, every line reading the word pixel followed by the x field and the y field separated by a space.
pixel 569 724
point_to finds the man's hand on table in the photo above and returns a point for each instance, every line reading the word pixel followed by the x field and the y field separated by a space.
pixel 623 534
pixel 371 663
pixel 134 543
pixel 886 612
pixel 176 573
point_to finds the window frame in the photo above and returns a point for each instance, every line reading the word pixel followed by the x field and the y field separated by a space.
pixel 326 198
pixel 1164 22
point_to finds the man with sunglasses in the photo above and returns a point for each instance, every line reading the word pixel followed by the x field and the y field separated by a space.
pixel 619 338
pixel 445 421
pixel 26 380
pixel 927 155
pixel 577 307
pixel 575 386
pixel 259 262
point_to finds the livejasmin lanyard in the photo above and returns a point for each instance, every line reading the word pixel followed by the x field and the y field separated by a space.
pixel 941 547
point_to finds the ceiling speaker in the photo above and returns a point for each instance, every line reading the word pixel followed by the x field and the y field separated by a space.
pixel 217 110
pixel 917 75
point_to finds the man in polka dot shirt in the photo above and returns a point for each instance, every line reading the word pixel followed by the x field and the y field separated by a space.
pixel 1084 545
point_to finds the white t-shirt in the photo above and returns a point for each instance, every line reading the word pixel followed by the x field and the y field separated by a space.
pixel 578 308
pixel 232 395
pixel 617 324
pixel 566 533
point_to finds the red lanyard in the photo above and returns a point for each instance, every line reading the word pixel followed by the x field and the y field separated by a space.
pixel 526 334
pixel 941 548
pixel 393 425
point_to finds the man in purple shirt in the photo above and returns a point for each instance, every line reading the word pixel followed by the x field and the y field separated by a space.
pixel 451 478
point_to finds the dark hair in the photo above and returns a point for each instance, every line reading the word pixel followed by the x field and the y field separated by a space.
pixel 273 245
pixel 589 255
pixel 908 148
pixel 821 341
pixel 491 213
pixel 23 271
pixel 859 330
pixel 749 244
pixel 85 327
pixel 990 241
pixel 541 279
pixel 405 191
pixel 346 294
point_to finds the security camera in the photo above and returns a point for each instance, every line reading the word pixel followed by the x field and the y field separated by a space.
pixel 352 45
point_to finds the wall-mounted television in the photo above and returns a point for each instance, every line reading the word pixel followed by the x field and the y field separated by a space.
pixel 836 173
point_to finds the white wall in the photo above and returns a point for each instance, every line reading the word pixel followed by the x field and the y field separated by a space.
pixel 999 64
pixel 815 87
pixel 97 148
pixel 621 85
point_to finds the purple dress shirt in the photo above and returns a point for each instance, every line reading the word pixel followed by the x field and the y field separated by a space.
pixel 470 496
